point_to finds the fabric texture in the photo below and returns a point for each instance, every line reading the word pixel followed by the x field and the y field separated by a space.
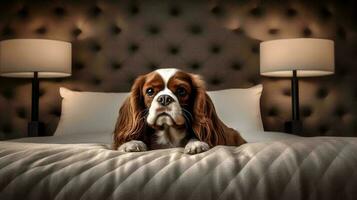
pixel 88 112
pixel 301 168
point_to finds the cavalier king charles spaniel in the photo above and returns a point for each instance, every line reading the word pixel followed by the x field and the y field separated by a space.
pixel 170 108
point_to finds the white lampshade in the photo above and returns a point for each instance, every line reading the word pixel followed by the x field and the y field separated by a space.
pixel 309 57
pixel 23 57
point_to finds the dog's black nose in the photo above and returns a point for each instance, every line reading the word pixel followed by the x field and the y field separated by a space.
pixel 165 100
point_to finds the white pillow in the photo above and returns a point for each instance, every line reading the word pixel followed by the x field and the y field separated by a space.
pixel 89 112
pixel 97 112
pixel 239 108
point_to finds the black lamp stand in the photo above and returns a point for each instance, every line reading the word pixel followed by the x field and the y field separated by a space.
pixel 35 127
pixel 294 126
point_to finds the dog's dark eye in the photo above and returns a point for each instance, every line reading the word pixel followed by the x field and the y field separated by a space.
pixel 181 92
pixel 150 91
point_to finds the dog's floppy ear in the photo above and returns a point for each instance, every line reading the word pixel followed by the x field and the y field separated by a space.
pixel 131 121
pixel 206 124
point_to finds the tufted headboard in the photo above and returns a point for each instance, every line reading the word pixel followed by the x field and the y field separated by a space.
pixel 114 41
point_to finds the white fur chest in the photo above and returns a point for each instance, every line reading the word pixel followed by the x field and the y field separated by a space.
pixel 171 137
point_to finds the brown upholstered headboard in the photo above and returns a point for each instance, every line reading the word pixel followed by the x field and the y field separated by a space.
pixel 114 41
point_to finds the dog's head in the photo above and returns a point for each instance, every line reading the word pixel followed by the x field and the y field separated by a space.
pixel 168 97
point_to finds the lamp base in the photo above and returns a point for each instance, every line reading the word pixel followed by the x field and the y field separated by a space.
pixel 35 128
pixel 294 127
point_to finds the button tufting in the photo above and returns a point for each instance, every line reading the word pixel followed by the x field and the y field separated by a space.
pixel 76 32
pixel 133 47
pixel 153 29
pixel 340 111
pixel 134 10
pixel 8 93
pixel 215 49
pixel 56 112
pixel 255 49
pixel 23 12
pixel 325 13
pixel 21 112
pixel 59 11
pixel 307 32
pixel 174 49
pixel 257 12
pixel 195 65
pixel 41 30
pixel 273 31
pixel 41 92
pixel 306 111
pixel 286 92
pixel 217 11
pixel 115 29
pixel 116 65
pixel 321 93
pixel 195 29
pixel 96 47
pixel 238 30
pixel 175 11
pixel 236 66
pixel 78 65
pixel 291 12
pixel 95 11
pixel 273 112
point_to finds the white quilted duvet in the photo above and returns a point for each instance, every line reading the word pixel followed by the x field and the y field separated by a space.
pixel 296 168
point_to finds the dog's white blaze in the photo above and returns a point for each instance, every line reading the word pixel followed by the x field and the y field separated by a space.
pixel 166 74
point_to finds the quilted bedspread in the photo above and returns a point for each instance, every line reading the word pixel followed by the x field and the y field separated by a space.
pixel 306 168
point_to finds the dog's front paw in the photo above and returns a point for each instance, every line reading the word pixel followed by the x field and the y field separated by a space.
pixel 196 146
pixel 133 146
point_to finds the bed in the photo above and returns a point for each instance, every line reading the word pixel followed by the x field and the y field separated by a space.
pixel 79 163
pixel 271 166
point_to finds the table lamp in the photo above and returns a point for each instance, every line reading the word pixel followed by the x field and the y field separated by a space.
pixel 35 58
pixel 299 57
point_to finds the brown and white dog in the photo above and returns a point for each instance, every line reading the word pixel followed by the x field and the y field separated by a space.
pixel 170 108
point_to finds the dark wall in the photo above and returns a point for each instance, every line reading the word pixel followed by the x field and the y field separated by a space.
pixel 114 41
